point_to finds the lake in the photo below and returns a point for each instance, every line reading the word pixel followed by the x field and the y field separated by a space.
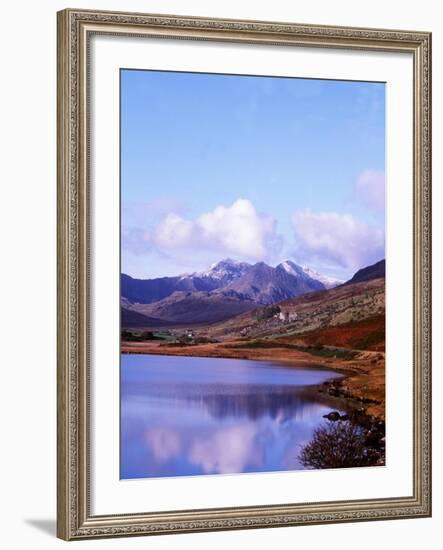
pixel 183 416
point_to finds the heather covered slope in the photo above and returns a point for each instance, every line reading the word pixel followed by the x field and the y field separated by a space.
pixel 310 312
pixel 368 334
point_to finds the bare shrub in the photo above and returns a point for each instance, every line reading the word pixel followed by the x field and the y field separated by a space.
pixel 267 312
pixel 337 445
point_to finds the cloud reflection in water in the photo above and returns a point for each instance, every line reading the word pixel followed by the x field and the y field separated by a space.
pixel 181 417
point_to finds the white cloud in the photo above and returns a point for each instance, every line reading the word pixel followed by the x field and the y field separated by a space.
pixel 370 188
pixel 237 229
pixel 337 240
pixel 174 231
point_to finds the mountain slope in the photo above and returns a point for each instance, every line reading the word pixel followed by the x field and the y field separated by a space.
pixel 328 282
pixel 305 271
pixel 266 285
pixel 375 271
pixel 134 319
pixel 310 312
pixel 196 307
pixel 147 291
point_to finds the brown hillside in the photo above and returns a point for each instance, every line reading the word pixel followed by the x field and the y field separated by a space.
pixel 361 335
pixel 314 311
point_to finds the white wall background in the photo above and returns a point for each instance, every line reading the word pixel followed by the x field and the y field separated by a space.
pixel 27 307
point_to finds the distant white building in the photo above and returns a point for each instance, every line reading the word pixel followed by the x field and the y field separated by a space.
pixel 287 316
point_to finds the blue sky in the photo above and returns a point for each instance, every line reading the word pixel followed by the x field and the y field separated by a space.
pixel 252 168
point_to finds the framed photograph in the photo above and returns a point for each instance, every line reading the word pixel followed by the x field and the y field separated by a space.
pixel 243 274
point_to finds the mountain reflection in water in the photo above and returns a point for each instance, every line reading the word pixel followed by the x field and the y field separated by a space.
pixel 189 416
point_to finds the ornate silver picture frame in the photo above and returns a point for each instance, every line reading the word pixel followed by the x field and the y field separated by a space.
pixel 75 518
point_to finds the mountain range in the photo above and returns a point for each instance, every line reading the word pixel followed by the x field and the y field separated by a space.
pixel 227 289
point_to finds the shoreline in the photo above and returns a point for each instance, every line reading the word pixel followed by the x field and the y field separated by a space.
pixel 361 387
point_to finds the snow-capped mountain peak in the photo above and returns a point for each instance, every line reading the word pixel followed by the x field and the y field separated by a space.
pixel 225 269
pixel 291 267
pixel 299 271
pixel 329 282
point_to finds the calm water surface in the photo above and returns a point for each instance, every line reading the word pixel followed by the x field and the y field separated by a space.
pixel 189 415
